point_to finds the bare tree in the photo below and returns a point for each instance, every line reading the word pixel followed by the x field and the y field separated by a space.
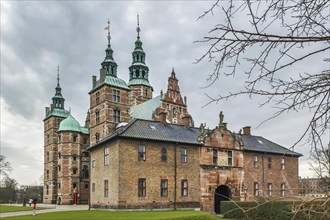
pixel 282 35
pixel 4 166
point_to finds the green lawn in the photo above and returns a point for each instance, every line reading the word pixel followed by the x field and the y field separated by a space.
pixel 7 208
pixel 118 215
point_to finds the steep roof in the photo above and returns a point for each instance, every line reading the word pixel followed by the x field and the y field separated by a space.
pixel 145 109
pixel 71 124
pixel 58 112
pixel 260 144
pixel 156 131
pixel 112 81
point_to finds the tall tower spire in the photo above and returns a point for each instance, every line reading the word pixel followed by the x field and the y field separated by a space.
pixel 109 63
pixel 139 71
pixel 58 100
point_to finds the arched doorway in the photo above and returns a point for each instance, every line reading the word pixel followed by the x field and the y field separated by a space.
pixel 222 193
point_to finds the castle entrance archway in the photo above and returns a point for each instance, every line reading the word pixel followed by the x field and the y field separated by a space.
pixel 222 193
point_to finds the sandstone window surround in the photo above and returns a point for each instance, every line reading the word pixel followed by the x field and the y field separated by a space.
pixel 106 188
pixel 282 164
pixel 141 153
pixel 116 115
pixel 256 189
pixel 184 187
pixel 215 156
pixel 270 188
pixel 255 161
pixel 282 189
pixel 164 153
pixel 115 95
pixel 164 188
pixel 183 155
pixel 97 116
pixel 106 156
pixel 230 158
pixel 142 189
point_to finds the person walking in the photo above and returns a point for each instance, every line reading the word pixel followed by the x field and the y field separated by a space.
pixel 34 206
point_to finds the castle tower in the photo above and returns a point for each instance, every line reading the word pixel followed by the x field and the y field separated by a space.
pixel 73 163
pixel 53 117
pixel 109 98
pixel 139 73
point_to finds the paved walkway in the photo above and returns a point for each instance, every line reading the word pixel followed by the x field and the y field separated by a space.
pixel 50 208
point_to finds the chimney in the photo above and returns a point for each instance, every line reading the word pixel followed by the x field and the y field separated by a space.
pixel 103 71
pixel 247 131
pixel 186 121
pixel 94 81
pixel 162 117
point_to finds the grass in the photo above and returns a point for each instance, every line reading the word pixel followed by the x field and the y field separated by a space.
pixel 118 215
pixel 7 208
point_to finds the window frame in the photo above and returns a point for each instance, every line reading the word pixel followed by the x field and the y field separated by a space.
pixel 269 162
pixel 93 163
pixel 270 189
pixel 255 161
pixel 184 187
pixel 282 163
pixel 106 188
pixel 116 115
pixel 142 153
pixel 97 116
pixel 142 187
pixel 93 187
pixel 184 155
pixel 106 156
pixel 282 189
pixel 215 156
pixel 256 189
pixel 116 95
pixel 97 98
pixel 97 137
pixel 164 188
pixel 164 153
pixel 230 158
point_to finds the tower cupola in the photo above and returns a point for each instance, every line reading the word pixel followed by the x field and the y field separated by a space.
pixel 109 63
pixel 58 100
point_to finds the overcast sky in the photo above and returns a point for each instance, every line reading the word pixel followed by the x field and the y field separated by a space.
pixel 38 36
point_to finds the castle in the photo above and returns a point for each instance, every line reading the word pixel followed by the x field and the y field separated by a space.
pixel 140 151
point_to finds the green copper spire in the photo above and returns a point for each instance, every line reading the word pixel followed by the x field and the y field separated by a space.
pixel 58 100
pixel 109 64
pixel 138 71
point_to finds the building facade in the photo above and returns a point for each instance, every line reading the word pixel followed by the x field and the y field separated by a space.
pixel 140 151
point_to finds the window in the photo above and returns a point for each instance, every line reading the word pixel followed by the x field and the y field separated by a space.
pixel 59 185
pixel 47 189
pixel 269 162
pixel 164 153
pixel 116 115
pixel 145 92
pixel 282 164
pixel 47 157
pixel 97 137
pixel 74 185
pixel 174 112
pixel 85 172
pixel 116 95
pixel 74 171
pixel 93 187
pixel 142 187
pixel 86 186
pixel 230 158
pixel 168 106
pixel 48 139
pixel 74 138
pixel 97 116
pixel 59 167
pixel 59 138
pixel 106 188
pixel 93 164
pixel 85 140
pixel 142 153
pixel 163 188
pixel 59 155
pixel 74 157
pixel 97 98
pixel 255 161
pixel 215 156
pixel 180 109
pixel 184 187
pixel 47 174
pixel 183 155
pixel 282 189
pixel 270 187
pixel 256 189
pixel 106 156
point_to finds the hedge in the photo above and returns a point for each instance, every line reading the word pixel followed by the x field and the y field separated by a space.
pixel 298 209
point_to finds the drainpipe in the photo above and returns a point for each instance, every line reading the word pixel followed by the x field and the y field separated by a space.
pixel 263 175
pixel 175 175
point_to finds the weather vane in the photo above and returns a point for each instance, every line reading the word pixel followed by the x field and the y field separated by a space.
pixel 58 74
pixel 108 28
pixel 138 29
